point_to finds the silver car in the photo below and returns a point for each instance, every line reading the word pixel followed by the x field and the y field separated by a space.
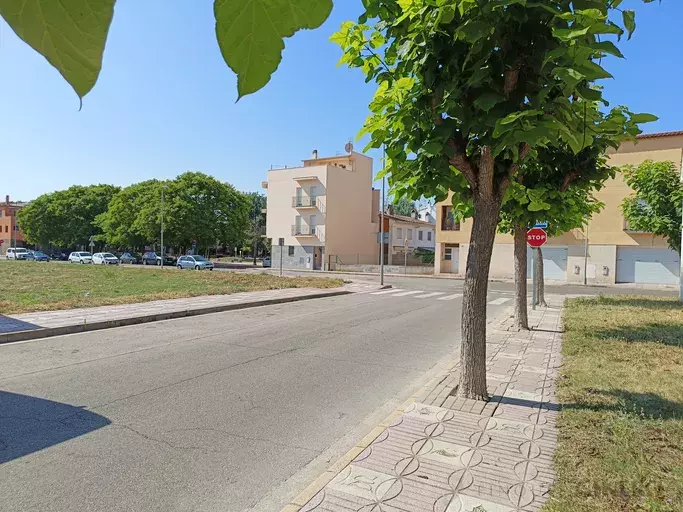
pixel 104 258
pixel 195 262
pixel 82 257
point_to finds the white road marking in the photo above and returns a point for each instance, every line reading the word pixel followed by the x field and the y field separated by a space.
pixel 498 302
pixel 383 292
pixel 450 297
pixel 412 292
pixel 427 295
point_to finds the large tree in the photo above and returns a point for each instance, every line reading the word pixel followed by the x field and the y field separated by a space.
pixel 66 218
pixel 558 187
pixel 200 209
pixel 255 238
pixel 657 203
pixel 403 206
pixel 466 91
pixel 132 218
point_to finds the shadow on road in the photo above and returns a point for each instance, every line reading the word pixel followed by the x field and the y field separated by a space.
pixel 29 424
pixel 8 324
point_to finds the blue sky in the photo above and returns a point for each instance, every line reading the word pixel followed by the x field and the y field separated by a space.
pixel 165 100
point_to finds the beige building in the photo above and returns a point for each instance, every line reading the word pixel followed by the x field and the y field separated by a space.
pixel 325 212
pixel 406 234
pixel 606 251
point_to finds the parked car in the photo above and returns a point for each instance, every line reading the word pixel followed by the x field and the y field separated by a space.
pixel 152 258
pixel 17 253
pixel 80 257
pixel 266 261
pixel 130 258
pixel 104 258
pixel 59 255
pixel 37 256
pixel 195 262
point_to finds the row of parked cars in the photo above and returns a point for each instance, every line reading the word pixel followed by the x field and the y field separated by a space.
pixel 108 258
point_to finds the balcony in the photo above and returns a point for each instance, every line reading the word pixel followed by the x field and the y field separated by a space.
pixel 306 178
pixel 304 202
pixel 304 230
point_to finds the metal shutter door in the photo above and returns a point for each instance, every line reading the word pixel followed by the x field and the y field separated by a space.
pixel 647 265
pixel 554 263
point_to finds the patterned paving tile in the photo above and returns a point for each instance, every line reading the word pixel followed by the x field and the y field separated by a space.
pixel 454 455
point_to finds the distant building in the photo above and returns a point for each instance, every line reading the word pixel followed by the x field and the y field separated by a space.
pixel 10 232
pixel 326 212
pixel 406 234
pixel 607 251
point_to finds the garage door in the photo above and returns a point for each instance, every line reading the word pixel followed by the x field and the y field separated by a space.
pixel 554 263
pixel 647 265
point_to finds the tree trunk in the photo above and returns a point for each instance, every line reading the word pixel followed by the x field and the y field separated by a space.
pixel 540 286
pixel 521 314
pixel 473 347
pixel 255 252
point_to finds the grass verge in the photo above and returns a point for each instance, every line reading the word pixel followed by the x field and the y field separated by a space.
pixel 32 286
pixel 621 385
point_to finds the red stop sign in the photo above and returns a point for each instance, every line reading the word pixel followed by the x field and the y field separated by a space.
pixel 536 237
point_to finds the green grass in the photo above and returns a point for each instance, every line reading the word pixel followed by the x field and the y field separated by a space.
pixel 621 388
pixel 31 286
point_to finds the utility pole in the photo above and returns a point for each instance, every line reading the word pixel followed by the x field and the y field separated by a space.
pixel 381 223
pixel 585 256
pixel 162 225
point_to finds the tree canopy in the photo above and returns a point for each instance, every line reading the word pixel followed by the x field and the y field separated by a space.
pixel 71 35
pixel 657 203
pixel 65 218
pixel 403 206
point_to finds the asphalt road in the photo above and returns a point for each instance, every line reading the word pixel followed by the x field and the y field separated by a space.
pixel 231 411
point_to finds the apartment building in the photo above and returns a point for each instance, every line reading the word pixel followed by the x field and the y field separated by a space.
pixel 406 234
pixel 606 251
pixel 10 233
pixel 325 212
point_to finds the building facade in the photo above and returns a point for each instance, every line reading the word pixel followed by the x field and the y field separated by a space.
pixel 406 234
pixel 10 232
pixel 325 212
pixel 606 251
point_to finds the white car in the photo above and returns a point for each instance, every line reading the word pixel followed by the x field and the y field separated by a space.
pixel 17 253
pixel 104 258
pixel 80 257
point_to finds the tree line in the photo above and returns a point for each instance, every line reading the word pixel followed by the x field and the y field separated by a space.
pixel 197 210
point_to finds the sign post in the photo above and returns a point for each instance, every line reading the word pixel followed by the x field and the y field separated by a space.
pixel 281 243
pixel 92 243
pixel 535 237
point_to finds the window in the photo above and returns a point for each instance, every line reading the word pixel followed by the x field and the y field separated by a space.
pixel 448 254
pixel 6 229
pixel 420 234
pixel 429 236
pixel 399 233
pixel 410 234
pixel 312 223
pixel 291 250
pixel 447 221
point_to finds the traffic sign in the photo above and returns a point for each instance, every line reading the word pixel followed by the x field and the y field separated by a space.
pixel 541 224
pixel 536 237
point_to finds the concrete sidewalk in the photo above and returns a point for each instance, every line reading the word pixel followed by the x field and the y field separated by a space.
pixel 447 454
pixel 56 323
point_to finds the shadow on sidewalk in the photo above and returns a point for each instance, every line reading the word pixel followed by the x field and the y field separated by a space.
pixel 29 424
pixel 8 324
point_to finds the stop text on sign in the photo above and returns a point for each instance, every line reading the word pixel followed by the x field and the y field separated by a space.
pixel 536 237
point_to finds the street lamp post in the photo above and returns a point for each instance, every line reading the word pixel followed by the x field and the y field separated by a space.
pixel 162 225
pixel 381 228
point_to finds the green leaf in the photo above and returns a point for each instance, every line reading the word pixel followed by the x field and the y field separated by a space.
pixel 70 34
pixel 644 118
pixel 250 34
pixel 629 17
pixel 488 100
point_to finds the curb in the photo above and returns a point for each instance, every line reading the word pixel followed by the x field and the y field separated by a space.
pixel 48 332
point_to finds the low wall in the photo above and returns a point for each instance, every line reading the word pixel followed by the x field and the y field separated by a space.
pixel 389 269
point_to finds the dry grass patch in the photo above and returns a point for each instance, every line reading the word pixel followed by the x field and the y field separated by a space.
pixel 50 286
pixel 621 386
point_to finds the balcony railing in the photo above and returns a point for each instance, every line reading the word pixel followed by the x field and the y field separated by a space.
pixel 304 202
pixel 304 230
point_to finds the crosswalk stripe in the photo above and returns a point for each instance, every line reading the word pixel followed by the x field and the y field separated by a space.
pixel 498 302
pixel 450 297
pixel 412 292
pixel 383 292
pixel 427 295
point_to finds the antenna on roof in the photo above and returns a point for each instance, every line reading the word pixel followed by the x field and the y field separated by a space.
pixel 349 147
